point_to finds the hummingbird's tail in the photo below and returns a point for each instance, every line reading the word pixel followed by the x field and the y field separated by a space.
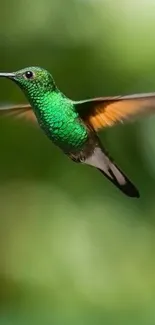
pixel 106 166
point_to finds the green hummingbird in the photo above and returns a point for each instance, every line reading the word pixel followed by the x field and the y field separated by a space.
pixel 73 125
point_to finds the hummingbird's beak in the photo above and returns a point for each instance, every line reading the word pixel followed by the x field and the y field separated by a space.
pixel 7 75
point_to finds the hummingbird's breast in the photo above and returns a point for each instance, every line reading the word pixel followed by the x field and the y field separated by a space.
pixel 60 121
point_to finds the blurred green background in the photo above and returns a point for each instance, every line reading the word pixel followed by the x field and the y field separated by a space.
pixel 73 249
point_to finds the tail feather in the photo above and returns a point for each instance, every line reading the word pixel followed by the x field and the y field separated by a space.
pixel 106 166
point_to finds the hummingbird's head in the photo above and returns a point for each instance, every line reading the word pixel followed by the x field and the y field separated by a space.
pixel 34 81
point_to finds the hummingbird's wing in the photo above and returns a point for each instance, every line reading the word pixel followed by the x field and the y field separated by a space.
pixel 18 111
pixel 107 111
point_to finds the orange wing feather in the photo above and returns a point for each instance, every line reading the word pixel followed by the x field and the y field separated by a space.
pixel 98 112
pixel 105 112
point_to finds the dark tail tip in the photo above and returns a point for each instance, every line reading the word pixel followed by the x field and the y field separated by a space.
pixel 128 188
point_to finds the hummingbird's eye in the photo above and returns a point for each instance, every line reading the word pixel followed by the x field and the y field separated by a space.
pixel 29 75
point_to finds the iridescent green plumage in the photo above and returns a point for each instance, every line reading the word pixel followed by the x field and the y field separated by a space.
pixel 55 112
pixel 72 125
pixel 60 121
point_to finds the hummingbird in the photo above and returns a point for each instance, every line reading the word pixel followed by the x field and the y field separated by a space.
pixel 73 126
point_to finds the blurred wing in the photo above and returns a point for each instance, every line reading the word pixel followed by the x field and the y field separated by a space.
pixel 107 111
pixel 19 111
